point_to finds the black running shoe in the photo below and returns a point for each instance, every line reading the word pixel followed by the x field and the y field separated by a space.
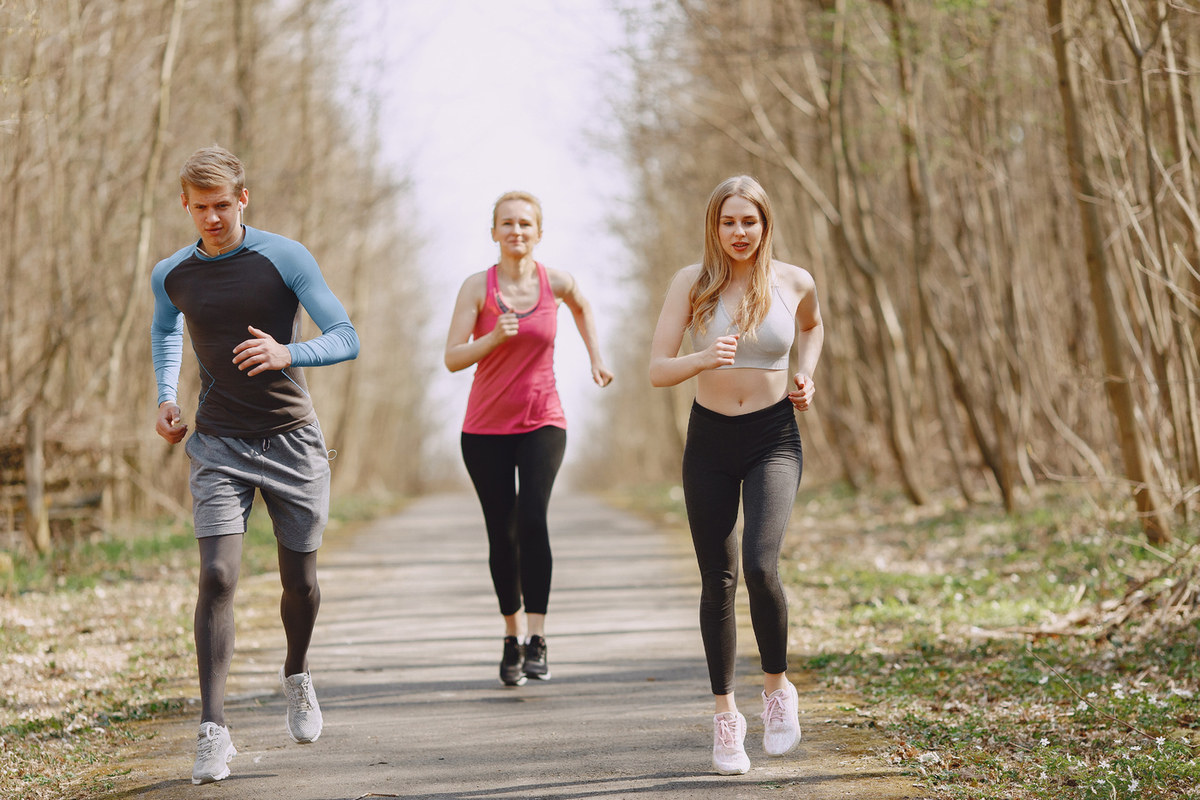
pixel 512 665
pixel 535 659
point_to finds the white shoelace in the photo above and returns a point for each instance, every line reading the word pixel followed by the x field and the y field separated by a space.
pixel 727 732
pixel 775 710
pixel 210 740
pixel 298 693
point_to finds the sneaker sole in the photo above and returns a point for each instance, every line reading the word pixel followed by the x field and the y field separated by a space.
pixel 795 744
pixel 730 771
pixel 214 779
pixel 518 682
pixel 288 728
pixel 532 677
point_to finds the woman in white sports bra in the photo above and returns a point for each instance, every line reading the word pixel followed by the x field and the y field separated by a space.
pixel 745 312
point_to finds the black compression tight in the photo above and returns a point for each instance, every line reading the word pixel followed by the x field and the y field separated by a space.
pixel 220 562
pixel 518 536
pixel 758 456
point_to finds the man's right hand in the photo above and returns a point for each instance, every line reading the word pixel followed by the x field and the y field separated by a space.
pixel 170 425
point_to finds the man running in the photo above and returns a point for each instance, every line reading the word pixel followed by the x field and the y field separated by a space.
pixel 240 291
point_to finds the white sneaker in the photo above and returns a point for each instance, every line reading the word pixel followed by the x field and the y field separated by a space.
pixel 214 749
pixel 729 737
pixel 304 712
pixel 781 721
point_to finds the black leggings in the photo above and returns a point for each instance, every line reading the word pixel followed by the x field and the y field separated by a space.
pixel 758 454
pixel 518 536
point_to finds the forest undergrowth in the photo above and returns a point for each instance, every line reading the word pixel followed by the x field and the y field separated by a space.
pixel 98 635
pixel 1046 654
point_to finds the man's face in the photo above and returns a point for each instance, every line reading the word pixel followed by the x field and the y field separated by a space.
pixel 217 214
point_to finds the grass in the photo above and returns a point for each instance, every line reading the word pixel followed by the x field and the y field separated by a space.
pixel 98 636
pixel 984 644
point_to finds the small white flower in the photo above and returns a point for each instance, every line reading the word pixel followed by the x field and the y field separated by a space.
pixel 1133 784
pixel 929 758
pixel 1160 741
pixel 1091 695
pixel 1044 776
pixel 1044 680
pixel 1044 741
pixel 1082 706
pixel 1136 748
pixel 1119 695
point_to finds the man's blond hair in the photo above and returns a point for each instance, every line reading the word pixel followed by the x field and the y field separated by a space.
pixel 212 168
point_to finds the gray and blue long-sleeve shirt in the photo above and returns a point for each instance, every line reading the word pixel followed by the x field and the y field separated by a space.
pixel 264 283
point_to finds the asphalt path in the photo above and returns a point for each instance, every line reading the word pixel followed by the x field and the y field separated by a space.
pixel 405 660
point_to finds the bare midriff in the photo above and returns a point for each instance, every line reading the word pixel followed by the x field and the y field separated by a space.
pixel 740 391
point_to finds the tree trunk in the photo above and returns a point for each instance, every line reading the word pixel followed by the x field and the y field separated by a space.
pixel 892 347
pixel 13 185
pixel 141 261
pixel 1117 384
pixel 1191 250
pixel 37 519
pixel 243 50
pixel 920 201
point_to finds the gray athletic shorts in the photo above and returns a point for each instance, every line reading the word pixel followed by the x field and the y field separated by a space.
pixel 291 470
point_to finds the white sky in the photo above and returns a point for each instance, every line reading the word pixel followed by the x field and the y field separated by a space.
pixel 483 96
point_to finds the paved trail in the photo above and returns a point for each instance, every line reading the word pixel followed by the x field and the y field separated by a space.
pixel 405 664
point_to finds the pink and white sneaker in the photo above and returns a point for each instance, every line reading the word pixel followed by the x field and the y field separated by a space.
pixel 781 721
pixel 729 738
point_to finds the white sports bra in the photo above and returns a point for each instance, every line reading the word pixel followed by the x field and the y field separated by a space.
pixel 769 349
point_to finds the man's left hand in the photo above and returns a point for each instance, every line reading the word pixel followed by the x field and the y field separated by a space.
pixel 261 353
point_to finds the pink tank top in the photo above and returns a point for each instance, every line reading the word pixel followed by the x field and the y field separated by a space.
pixel 513 390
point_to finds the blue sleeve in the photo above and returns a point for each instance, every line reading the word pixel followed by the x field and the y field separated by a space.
pixel 166 335
pixel 338 340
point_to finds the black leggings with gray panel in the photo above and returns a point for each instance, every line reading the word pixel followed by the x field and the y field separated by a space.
pixel 757 456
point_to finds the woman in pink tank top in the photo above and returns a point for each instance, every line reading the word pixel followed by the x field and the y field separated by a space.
pixel 505 321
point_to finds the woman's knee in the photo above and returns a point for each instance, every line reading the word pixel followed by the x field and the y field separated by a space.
pixel 717 588
pixel 762 577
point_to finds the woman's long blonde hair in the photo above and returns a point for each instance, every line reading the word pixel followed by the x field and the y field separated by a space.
pixel 715 272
